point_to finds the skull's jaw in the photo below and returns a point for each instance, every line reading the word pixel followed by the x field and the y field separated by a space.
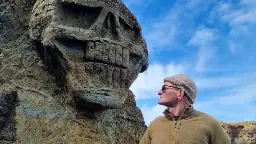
pixel 94 84
pixel 98 86
pixel 99 90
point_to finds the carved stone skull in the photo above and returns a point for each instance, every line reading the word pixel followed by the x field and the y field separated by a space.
pixel 94 46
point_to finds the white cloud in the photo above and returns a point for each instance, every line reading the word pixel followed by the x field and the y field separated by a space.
pixel 226 81
pixel 150 113
pixel 233 46
pixel 203 39
pixel 162 32
pixel 204 56
pixel 237 105
pixel 241 19
pixel 239 95
pixel 246 18
pixel 148 83
pixel 224 7
pixel 166 30
pixel 249 3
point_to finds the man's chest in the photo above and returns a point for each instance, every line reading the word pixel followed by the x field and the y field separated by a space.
pixel 185 132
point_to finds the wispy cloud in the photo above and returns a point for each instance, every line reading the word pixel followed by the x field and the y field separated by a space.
pixel 226 81
pixel 241 19
pixel 151 112
pixel 203 39
pixel 148 83
pixel 168 29
pixel 238 95
pixel 240 15
pixel 238 104
pixel 163 31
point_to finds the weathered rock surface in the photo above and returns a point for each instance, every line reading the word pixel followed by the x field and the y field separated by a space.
pixel 241 132
pixel 70 85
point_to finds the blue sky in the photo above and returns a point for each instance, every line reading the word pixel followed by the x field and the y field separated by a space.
pixel 213 41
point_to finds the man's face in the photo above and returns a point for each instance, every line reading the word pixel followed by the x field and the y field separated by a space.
pixel 168 95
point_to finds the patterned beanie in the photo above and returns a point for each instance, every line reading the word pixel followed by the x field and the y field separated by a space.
pixel 186 83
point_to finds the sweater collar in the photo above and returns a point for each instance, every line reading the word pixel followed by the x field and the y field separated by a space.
pixel 187 112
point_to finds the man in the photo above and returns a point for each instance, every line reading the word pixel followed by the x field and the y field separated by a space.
pixel 181 123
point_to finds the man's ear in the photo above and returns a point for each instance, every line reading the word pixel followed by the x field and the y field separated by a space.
pixel 181 94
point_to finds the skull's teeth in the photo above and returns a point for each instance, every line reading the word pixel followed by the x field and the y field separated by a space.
pixel 98 51
pixel 108 53
pixel 125 57
pixel 89 69
pixel 119 54
pixel 97 71
pixel 123 77
pixel 105 52
pixel 112 54
pixel 107 75
pixel 130 77
pixel 104 74
pixel 90 51
pixel 116 78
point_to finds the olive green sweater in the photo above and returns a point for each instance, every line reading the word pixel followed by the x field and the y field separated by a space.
pixel 193 127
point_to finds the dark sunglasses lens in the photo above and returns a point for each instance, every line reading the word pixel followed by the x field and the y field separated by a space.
pixel 163 88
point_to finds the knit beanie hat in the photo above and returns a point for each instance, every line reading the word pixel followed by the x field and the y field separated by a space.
pixel 185 82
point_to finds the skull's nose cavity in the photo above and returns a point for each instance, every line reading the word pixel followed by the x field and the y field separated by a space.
pixel 134 60
pixel 110 28
pixel 144 68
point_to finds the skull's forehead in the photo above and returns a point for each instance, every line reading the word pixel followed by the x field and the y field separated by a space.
pixel 114 6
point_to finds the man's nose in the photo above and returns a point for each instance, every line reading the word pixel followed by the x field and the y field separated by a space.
pixel 160 92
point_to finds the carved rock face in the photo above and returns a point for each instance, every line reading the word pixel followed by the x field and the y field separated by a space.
pixel 95 45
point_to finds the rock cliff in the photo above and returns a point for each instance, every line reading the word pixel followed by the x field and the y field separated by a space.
pixel 241 132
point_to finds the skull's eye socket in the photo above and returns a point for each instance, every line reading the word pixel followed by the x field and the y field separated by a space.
pixel 130 33
pixel 78 16
pixel 109 28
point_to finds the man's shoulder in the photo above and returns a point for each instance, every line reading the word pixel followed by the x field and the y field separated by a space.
pixel 159 119
pixel 210 121
pixel 214 125
pixel 207 118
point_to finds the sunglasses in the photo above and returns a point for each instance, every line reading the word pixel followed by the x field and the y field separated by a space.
pixel 164 87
